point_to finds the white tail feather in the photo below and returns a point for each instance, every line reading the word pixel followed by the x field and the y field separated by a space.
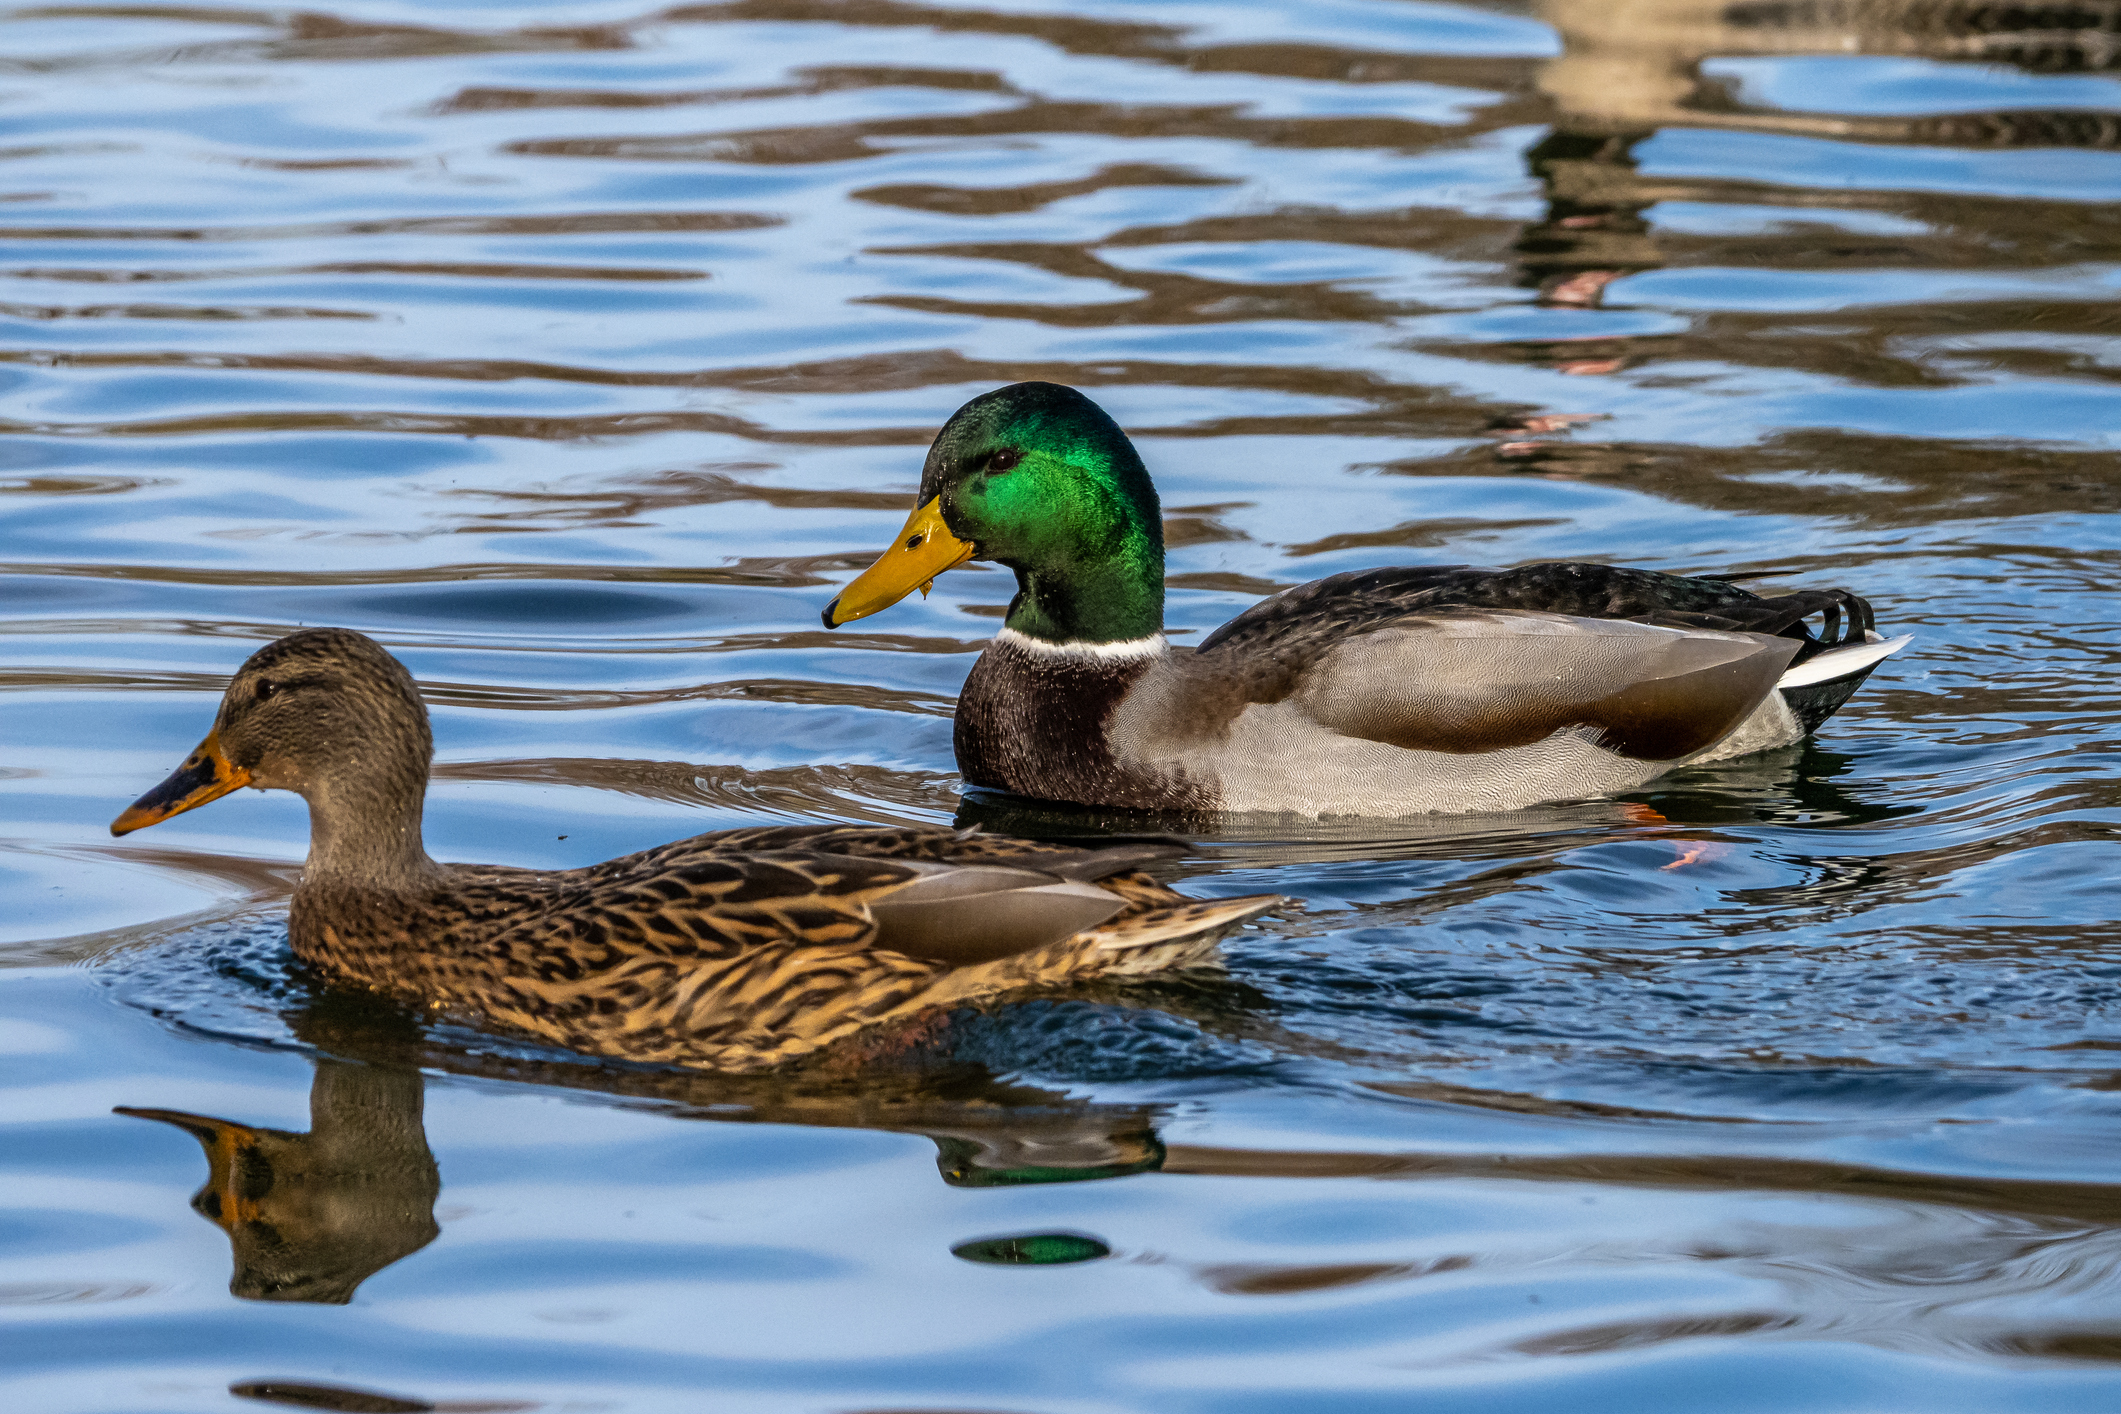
pixel 1840 662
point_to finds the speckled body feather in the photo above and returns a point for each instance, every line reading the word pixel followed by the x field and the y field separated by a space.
pixel 732 951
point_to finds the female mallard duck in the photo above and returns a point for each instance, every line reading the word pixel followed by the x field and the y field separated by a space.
pixel 734 950
pixel 1393 691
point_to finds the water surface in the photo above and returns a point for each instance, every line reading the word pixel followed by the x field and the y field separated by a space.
pixel 579 352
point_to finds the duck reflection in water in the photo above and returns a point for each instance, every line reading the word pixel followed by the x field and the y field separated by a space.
pixel 1943 1263
pixel 309 1217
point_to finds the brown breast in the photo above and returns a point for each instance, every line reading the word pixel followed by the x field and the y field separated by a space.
pixel 1034 723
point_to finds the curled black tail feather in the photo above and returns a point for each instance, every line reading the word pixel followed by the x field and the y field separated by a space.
pixel 1844 618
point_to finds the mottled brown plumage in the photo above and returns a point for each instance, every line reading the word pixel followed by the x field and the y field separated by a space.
pixel 734 950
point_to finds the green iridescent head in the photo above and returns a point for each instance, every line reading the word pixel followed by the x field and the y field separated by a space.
pixel 1037 477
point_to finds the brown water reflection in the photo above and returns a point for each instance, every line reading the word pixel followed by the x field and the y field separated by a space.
pixel 1616 84
pixel 312 1216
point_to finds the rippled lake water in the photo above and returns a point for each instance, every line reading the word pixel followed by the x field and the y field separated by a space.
pixel 578 351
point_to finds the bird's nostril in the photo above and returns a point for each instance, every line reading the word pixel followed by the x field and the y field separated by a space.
pixel 913 542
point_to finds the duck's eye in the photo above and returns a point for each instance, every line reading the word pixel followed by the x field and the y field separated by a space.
pixel 267 689
pixel 1004 459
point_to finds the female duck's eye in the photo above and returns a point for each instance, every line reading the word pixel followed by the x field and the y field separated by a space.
pixel 1004 459
pixel 267 689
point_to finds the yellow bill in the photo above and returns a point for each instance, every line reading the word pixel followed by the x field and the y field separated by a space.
pixel 207 774
pixel 924 549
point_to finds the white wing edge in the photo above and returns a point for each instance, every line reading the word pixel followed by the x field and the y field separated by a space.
pixel 1840 662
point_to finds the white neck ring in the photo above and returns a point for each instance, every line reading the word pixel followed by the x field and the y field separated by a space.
pixel 1151 647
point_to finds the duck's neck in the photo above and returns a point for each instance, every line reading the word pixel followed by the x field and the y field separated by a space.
pixel 364 831
pixel 1112 596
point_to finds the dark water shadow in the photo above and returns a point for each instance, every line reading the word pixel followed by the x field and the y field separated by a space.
pixel 1804 786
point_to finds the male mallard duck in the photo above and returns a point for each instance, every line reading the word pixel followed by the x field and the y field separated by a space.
pixel 733 950
pixel 1394 691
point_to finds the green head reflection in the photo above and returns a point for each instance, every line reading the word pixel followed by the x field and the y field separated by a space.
pixel 1032 1249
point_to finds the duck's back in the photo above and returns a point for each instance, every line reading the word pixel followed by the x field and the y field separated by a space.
pixel 683 952
pixel 1311 617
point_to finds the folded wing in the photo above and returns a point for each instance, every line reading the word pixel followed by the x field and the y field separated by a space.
pixel 1470 681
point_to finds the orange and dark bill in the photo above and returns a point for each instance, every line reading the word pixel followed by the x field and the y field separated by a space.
pixel 206 774
pixel 924 549
pixel 231 1194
